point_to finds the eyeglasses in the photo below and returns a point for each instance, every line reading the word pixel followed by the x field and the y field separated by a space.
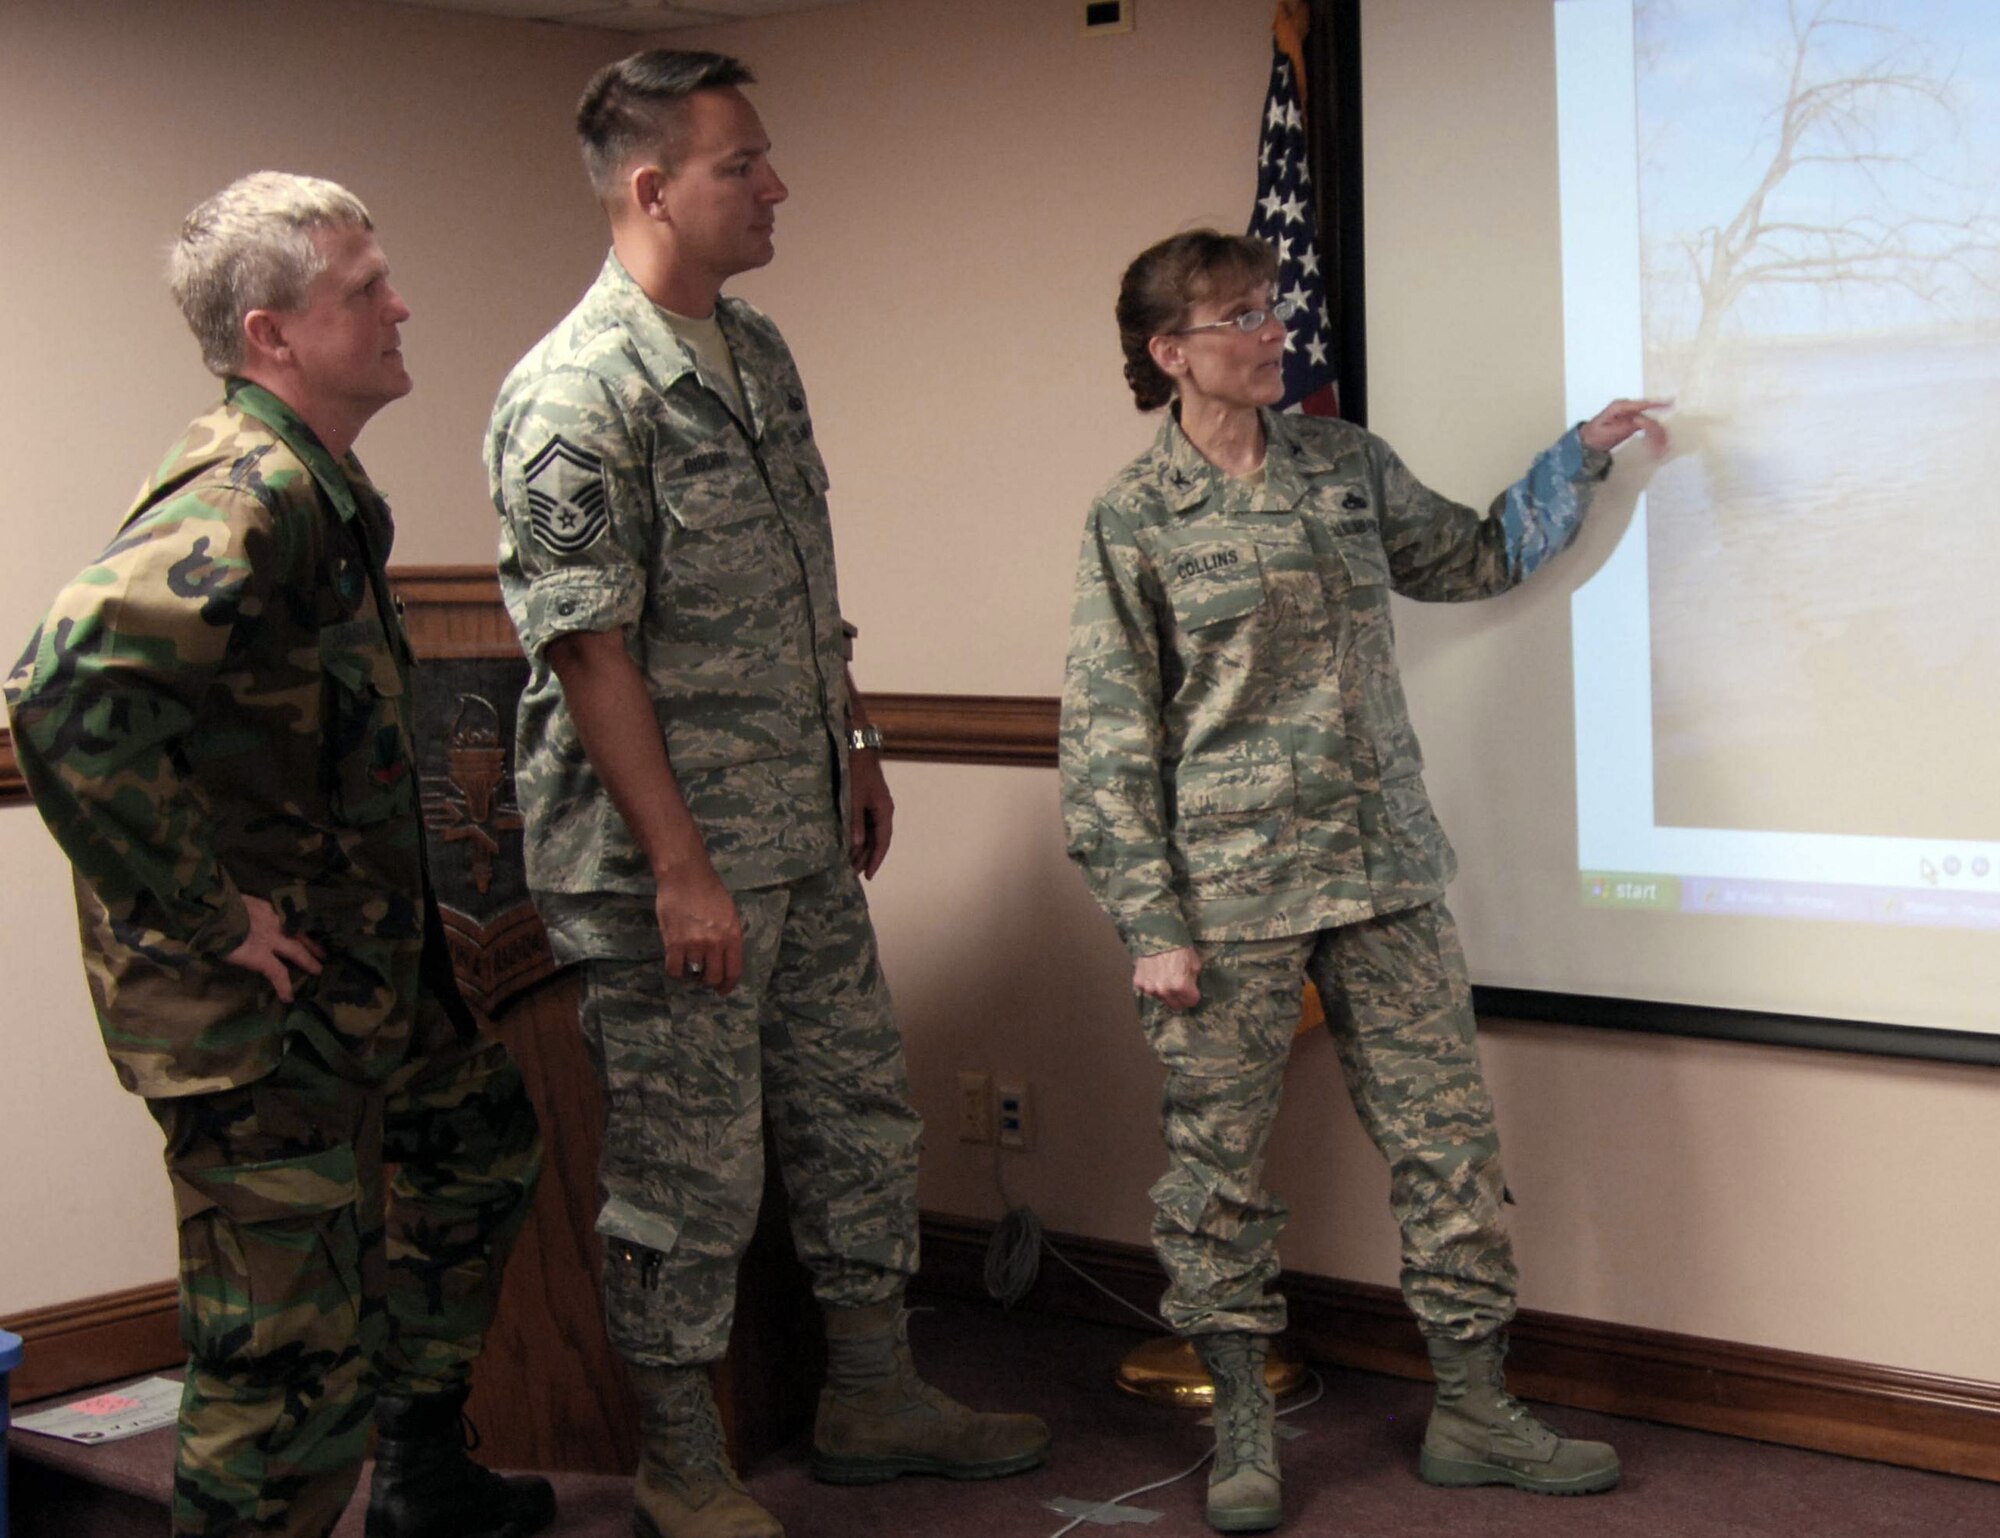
pixel 1250 322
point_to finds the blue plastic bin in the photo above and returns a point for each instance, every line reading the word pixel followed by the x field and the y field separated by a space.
pixel 10 1358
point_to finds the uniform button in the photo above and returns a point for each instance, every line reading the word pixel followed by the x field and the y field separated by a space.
pixel 567 606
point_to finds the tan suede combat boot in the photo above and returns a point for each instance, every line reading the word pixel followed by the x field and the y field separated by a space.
pixel 1244 1493
pixel 1479 1434
pixel 878 1419
pixel 685 1487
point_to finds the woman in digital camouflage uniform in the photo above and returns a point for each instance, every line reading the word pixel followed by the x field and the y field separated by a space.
pixel 1243 792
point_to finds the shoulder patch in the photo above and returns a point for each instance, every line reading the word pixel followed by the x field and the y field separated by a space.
pixel 568 497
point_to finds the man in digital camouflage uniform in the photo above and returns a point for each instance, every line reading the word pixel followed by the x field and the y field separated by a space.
pixel 703 793
pixel 214 719
pixel 1243 793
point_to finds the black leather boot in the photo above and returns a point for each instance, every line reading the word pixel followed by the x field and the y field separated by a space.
pixel 426 1487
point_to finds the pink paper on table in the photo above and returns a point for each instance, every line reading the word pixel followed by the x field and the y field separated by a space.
pixel 103 1404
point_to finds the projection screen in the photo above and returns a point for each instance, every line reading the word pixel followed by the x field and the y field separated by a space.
pixel 1786 751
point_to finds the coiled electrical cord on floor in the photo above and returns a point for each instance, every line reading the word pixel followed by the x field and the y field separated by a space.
pixel 1013 1256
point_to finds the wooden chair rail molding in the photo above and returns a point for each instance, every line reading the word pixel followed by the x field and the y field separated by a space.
pixel 459 610
pixel 463 617
pixel 939 728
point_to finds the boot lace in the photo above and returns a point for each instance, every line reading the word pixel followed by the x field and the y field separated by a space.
pixel 694 1430
pixel 1515 1412
pixel 1239 1421
pixel 1241 1408
pixel 1518 1416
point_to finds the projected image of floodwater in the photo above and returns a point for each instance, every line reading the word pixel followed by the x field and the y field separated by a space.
pixel 1821 264
pixel 1824 575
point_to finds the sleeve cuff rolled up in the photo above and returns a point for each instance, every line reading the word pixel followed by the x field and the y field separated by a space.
pixel 575 601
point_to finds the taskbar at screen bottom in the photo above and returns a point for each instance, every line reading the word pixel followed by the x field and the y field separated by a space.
pixel 1926 906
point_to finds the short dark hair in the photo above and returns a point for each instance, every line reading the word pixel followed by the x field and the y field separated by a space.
pixel 1165 281
pixel 632 108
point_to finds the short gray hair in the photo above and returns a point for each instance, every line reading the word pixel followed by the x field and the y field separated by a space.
pixel 250 247
pixel 634 107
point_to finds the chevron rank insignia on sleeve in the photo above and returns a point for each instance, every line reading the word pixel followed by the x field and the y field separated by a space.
pixel 569 499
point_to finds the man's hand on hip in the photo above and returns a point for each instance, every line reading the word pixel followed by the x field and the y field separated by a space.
pixel 272 952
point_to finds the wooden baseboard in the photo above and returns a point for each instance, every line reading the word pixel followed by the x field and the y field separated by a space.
pixel 12 786
pixel 1886 1414
pixel 96 1340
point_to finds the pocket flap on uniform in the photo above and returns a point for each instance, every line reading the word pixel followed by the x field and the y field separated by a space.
pixel 1366 561
pixel 1239 788
pixel 712 490
pixel 619 1219
pixel 812 469
pixel 1213 580
pixel 357 656
pixel 278 1188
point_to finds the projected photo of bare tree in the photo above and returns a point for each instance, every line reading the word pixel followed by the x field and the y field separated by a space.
pixel 1821 255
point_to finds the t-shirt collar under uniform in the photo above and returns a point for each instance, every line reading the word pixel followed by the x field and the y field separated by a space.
pixel 668 357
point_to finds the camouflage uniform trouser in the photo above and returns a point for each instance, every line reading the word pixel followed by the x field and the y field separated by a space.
pixel 306 1287
pixel 807 1041
pixel 1399 1007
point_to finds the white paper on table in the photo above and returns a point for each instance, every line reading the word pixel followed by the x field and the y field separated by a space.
pixel 123 1412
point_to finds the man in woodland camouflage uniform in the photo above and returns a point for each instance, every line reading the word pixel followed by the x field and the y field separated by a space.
pixel 214 720
pixel 703 793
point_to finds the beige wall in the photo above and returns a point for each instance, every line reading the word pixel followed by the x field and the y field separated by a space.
pixel 116 117
pixel 965 195
pixel 965 192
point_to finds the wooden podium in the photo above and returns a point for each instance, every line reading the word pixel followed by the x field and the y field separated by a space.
pixel 548 1392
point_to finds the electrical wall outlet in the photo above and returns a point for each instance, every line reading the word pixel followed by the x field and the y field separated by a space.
pixel 1015 1125
pixel 975 1107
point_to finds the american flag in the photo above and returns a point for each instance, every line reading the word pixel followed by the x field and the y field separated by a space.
pixel 1284 219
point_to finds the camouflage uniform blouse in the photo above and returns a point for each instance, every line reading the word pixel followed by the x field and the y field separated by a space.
pixel 632 499
pixel 218 707
pixel 1237 758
